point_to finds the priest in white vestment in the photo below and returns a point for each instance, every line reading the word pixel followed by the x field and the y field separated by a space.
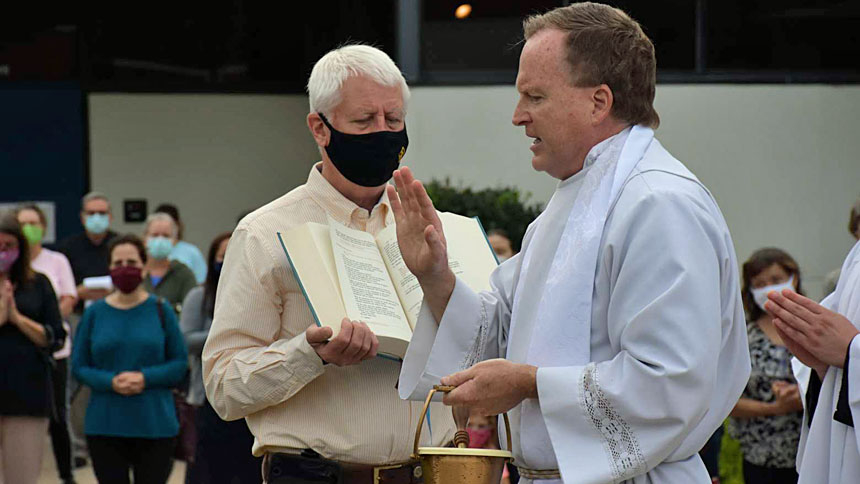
pixel 823 338
pixel 616 339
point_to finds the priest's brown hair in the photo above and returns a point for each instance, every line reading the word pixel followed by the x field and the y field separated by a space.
pixel 606 46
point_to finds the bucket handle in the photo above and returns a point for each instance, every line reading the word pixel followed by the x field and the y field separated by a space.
pixel 446 389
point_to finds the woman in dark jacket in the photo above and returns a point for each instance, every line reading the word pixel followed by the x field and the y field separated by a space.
pixel 30 329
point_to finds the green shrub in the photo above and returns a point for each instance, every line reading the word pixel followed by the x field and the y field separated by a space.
pixel 504 208
pixel 731 461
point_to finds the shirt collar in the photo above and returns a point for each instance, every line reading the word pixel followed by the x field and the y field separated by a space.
pixel 615 141
pixel 337 205
pixel 600 148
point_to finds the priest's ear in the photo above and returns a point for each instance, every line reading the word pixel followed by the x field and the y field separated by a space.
pixel 602 101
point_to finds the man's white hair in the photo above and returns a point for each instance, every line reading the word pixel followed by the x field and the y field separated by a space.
pixel 330 72
pixel 161 217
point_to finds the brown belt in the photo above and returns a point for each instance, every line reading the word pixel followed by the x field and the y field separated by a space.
pixel 406 473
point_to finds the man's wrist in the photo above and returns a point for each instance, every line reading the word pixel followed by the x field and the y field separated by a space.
pixel 529 381
pixel 847 356
pixel 440 285
pixel 770 409
pixel 437 292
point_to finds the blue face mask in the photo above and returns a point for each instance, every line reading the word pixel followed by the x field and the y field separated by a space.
pixel 159 247
pixel 97 223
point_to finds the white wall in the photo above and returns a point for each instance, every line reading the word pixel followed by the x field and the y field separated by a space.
pixel 781 160
pixel 214 156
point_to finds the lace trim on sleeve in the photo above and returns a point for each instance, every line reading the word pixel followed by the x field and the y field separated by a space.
pixel 621 445
pixel 476 354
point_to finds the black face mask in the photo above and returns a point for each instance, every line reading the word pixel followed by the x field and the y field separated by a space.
pixel 369 159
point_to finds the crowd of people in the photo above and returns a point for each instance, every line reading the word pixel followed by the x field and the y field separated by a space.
pixel 618 340
pixel 128 313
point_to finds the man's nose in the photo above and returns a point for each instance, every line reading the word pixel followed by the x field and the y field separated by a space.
pixel 520 116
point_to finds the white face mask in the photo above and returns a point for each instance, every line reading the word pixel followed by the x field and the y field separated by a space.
pixel 760 294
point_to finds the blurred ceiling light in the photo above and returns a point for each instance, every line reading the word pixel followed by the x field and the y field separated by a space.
pixel 463 11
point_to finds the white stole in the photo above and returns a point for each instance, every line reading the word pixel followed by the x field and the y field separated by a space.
pixel 551 314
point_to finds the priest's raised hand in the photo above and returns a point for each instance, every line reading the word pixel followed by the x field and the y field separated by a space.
pixel 421 239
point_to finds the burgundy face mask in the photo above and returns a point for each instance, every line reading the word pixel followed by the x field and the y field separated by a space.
pixel 126 278
pixel 478 438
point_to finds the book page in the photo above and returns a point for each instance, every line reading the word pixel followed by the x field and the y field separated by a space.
pixel 470 255
pixel 368 294
pixel 470 258
pixel 405 283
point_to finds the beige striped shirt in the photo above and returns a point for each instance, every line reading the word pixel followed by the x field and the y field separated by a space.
pixel 257 363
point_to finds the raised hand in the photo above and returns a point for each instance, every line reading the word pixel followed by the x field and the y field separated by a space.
pixel 421 240
pixel 4 301
pixel 7 302
pixel 419 230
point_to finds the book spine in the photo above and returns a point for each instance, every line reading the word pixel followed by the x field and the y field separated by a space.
pixel 299 281
pixel 486 239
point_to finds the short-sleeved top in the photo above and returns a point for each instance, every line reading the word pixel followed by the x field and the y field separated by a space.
pixel 190 255
pixel 86 258
pixel 174 286
pixel 767 441
pixel 24 367
pixel 58 270
pixel 56 267
pixel 110 341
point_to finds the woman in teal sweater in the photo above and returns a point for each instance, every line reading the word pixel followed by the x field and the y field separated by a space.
pixel 131 353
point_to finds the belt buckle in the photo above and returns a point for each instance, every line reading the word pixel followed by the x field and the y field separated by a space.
pixel 376 471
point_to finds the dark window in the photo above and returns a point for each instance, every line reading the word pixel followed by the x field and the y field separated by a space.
pixel 488 41
pixel 272 46
pixel 671 26
pixel 802 35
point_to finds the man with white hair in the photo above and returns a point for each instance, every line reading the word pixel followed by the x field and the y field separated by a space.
pixel 319 404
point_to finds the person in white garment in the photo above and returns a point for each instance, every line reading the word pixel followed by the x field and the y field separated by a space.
pixel 823 339
pixel 616 339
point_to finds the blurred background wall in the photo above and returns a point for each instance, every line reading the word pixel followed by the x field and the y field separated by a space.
pixel 779 159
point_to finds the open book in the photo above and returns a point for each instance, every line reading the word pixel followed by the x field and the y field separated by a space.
pixel 347 273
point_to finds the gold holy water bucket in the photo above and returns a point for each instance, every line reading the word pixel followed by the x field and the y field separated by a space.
pixel 451 465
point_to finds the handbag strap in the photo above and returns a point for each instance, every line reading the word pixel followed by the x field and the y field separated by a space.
pixel 159 305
